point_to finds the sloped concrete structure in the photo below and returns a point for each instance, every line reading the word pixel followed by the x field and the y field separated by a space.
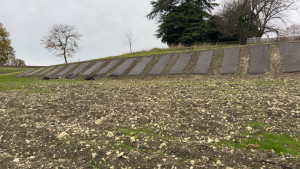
pixel 77 70
pixel 231 61
pixel 108 67
pixel 25 73
pixel 160 65
pixel 55 70
pixel 204 62
pixel 181 63
pixel 290 56
pixel 34 72
pixel 123 67
pixel 259 62
pixel 66 70
pixel 140 67
pixel 93 68
pixel 247 60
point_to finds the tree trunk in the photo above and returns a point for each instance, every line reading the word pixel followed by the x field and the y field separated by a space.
pixel 130 47
pixel 65 57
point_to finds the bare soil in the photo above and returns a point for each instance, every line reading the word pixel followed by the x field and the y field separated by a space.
pixel 156 123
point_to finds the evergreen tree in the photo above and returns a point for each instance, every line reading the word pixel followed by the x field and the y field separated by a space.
pixel 182 21
pixel 6 50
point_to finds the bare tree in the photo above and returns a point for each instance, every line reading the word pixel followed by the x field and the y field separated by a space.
pixel 293 30
pixel 263 14
pixel 130 39
pixel 270 12
pixel 62 40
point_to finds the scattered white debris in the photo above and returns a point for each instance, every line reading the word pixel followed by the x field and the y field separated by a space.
pixel 120 154
pixel 162 145
pixel 16 160
pixel 249 128
pixel 94 155
pixel 97 122
pixel 110 134
pixel 219 163
pixel 132 139
pixel 63 135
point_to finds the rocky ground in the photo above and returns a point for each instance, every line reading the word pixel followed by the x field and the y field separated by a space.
pixel 163 123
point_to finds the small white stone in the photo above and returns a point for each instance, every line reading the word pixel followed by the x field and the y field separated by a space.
pixel 162 145
pixel 6 155
pixel 120 154
pixel 164 160
pixel 210 140
pixel 110 134
pixel 219 163
pixel 125 157
pixel 108 153
pixel 97 122
pixel 27 141
pixel 227 137
pixel 32 157
pixel 204 158
pixel 94 155
pixel 132 139
pixel 192 162
pixel 16 160
pixel 63 135
pixel 249 128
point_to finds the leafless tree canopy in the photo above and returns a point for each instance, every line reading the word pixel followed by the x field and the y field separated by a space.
pixel 130 39
pixel 264 14
pixel 62 40
pixel 293 30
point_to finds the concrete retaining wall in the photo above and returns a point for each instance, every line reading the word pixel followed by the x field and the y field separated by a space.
pixel 255 59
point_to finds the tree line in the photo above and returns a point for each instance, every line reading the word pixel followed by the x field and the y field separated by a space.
pixel 189 22
pixel 7 53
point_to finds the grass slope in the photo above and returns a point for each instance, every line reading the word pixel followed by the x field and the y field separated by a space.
pixel 160 51
pixel 10 81
pixel 5 70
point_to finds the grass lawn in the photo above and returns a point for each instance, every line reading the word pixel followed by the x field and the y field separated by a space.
pixel 10 81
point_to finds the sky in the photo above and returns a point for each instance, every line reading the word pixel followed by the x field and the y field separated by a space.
pixel 103 24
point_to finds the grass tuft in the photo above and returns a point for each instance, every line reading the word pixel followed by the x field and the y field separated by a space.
pixel 280 143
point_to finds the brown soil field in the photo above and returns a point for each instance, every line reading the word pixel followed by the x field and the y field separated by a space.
pixel 194 122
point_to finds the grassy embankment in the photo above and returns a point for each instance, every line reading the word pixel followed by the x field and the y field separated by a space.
pixel 160 51
pixel 10 81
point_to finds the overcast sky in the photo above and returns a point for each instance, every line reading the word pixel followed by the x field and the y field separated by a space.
pixel 103 24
